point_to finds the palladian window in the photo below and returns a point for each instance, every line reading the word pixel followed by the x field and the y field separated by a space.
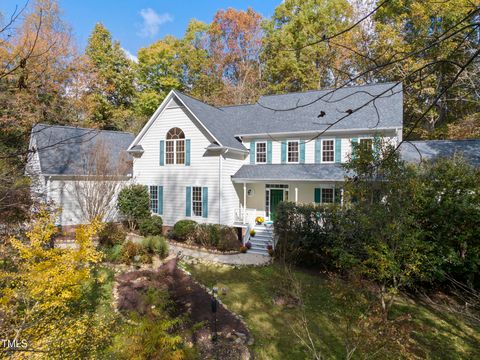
pixel 175 147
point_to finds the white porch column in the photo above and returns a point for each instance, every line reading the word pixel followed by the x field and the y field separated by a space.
pixel 296 194
pixel 244 202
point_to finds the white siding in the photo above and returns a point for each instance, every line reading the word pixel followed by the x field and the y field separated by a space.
pixel 203 170
pixel 230 197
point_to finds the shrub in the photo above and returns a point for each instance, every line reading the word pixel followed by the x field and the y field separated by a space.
pixel 111 234
pixel 129 251
pixel 112 254
pixel 207 235
pixel 214 230
pixel 152 225
pixel 155 245
pixel 184 230
pixel 134 203
pixel 228 239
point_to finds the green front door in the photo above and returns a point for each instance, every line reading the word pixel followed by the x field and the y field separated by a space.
pixel 276 196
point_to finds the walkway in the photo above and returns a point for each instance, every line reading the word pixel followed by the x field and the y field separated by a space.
pixel 231 259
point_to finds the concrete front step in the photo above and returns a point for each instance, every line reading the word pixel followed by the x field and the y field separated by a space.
pixel 260 252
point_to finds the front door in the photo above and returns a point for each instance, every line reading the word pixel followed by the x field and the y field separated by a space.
pixel 276 196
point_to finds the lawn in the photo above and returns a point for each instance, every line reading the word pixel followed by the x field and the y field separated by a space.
pixel 333 309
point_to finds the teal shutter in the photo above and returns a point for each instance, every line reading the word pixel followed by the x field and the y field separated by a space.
pixel 317 150
pixel 284 152
pixel 188 201
pixel 160 199
pixel 162 152
pixel 354 143
pixel 302 151
pixel 187 152
pixel 269 152
pixel 205 202
pixel 317 196
pixel 338 150
pixel 252 152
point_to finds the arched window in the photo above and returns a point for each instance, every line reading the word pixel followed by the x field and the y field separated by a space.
pixel 175 147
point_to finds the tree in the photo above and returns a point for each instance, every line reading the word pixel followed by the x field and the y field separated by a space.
pixel 448 33
pixel 43 294
pixel 134 203
pixel 96 190
pixel 291 64
pixel 111 87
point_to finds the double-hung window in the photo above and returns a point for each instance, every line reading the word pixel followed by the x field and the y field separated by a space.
pixel 175 147
pixel 292 151
pixel 366 144
pixel 328 196
pixel 153 198
pixel 261 152
pixel 328 150
pixel 197 201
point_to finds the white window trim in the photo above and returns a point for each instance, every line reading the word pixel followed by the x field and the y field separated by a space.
pixel 366 138
pixel 201 202
pixel 298 152
pixel 266 152
pixel 321 152
pixel 175 152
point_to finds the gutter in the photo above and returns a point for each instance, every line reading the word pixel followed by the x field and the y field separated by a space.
pixel 317 132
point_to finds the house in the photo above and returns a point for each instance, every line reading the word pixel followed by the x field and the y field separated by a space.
pixel 229 164
pixel 78 169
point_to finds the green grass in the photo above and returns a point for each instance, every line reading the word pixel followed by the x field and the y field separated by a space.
pixel 329 303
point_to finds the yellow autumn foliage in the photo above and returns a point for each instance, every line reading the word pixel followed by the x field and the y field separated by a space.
pixel 43 295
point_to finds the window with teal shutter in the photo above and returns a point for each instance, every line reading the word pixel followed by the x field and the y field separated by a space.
pixel 188 201
pixel 162 152
pixel 269 152
pixel 338 150
pixel 252 152
pixel 317 150
pixel 354 142
pixel 284 152
pixel 317 196
pixel 205 202
pixel 160 200
pixel 187 152
pixel 302 151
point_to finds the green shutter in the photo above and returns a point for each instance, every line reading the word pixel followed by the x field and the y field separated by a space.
pixel 188 201
pixel 269 152
pixel 302 151
pixel 205 202
pixel 187 152
pixel 317 196
pixel 160 199
pixel 284 152
pixel 338 150
pixel 252 152
pixel 162 152
pixel 354 143
pixel 317 150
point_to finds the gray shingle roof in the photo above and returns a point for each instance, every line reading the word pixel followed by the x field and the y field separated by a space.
pixel 374 106
pixel 415 151
pixel 214 119
pixel 63 149
pixel 379 106
pixel 292 172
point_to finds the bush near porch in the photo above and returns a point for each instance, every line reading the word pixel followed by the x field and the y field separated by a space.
pixel 213 236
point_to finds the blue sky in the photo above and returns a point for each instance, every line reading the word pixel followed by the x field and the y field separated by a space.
pixel 138 23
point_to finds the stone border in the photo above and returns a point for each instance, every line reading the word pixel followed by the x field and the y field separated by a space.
pixel 200 248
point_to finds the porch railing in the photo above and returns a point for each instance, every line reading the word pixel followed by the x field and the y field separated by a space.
pixel 249 218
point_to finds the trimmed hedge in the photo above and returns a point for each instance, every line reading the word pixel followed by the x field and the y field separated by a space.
pixel 152 225
pixel 307 233
pixel 220 237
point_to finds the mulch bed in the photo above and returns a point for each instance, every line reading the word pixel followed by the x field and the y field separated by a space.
pixel 189 297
